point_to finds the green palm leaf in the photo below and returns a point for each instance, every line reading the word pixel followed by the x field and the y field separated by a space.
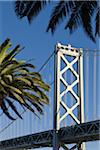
pixel 20 83
pixel 3 49
pixel 12 53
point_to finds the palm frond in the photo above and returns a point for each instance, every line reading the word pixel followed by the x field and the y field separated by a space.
pixel 60 12
pixel 75 12
pixel 12 53
pixel 26 65
pixel 38 108
pixel 97 20
pixel 29 8
pixel 22 8
pixel 81 15
pixel 17 7
pixel 3 49
pixel 37 6
pixel 5 110
pixel 13 107
pixel 5 45
pixel 20 83
pixel 87 12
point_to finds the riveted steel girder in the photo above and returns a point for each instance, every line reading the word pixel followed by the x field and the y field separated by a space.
pixel 84 132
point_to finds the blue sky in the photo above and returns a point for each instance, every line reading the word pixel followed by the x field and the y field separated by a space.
pixel 39 44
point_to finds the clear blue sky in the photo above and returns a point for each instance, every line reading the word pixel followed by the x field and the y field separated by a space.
pixel 39 44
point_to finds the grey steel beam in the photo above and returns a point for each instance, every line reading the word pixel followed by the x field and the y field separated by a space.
pixel 42 139
pixel 84 132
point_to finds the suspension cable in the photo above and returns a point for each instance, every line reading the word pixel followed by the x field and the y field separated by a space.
pixel 46 62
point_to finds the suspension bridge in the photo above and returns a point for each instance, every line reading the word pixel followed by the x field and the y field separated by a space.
pixel 72 117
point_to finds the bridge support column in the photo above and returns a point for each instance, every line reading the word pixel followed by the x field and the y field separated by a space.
pixel 56 114
pixel 56 145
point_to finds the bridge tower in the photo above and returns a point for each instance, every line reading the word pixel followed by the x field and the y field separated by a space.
pixel 61 55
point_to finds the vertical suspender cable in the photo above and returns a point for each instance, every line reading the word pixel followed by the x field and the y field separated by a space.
pixel 86 59
pixel 49 95
pixel 30 121
pixel 98 86
pixel 94 86
pixel 36 123
pixel 45 111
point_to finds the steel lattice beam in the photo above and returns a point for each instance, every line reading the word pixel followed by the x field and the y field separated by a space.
pixel 80 133
pixel 84 132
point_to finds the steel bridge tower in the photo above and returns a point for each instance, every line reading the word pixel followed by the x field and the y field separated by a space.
pixel 61 55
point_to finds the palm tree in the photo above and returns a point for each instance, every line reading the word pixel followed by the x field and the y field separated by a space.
pixel 19 83
pixel 75 12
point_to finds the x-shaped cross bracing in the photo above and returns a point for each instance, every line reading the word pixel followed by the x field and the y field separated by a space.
pixel 62 53
pixel 69 88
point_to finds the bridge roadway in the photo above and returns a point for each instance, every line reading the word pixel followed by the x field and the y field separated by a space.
pixel 84 132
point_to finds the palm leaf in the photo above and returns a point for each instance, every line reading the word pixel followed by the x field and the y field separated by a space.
pixel 87 12
pixel 17 97
pixel 81 15
pixel 37 6
pixel 29 8
pixel 4 45
pixel 18 82
pixel 60 11
pixel 5 110
pixel 12 53
pixel 21 71
pixel 29 107
pixel 22 8
pixel 3 49
pixel 8 68
pixel 17 7
pixel 9 78
pixel 35 98
pixel 26 81
pixel 97 20
pixel 38 108
pixel 36 74
pixel 26 65
pixel 74 12
pixel 40 93
pixel 75 19
pixel 13 107
pixel 7 63
pixel 41 84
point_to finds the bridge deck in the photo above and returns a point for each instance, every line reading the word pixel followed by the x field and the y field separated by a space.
pixel 72 134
